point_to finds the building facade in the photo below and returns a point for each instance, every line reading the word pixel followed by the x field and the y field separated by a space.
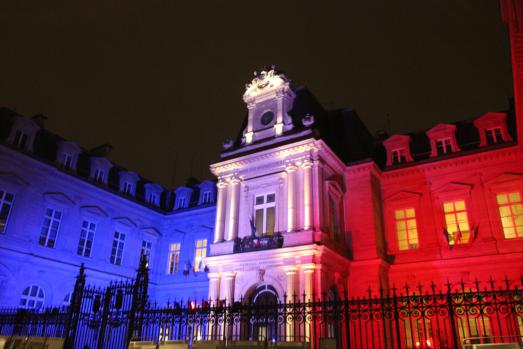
pixel 306 201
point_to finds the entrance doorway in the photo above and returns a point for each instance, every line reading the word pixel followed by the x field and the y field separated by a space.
pixel 264 320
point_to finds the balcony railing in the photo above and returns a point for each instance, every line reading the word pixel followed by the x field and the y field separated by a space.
pixel 258 243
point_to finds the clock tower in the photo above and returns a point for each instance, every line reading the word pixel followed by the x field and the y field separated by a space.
pixel 269 97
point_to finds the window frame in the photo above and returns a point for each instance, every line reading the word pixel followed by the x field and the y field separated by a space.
pixel 406 219
pixel 512 215
pixel 398 156
pixel 497 138
pixel 397 201
pixel 4 202
pixel 443 146
pixel 99 175
pixel 263 207
pixel 173 258
pixel 28 297
pixel 453 200
pixel 88 231
pixel 148 248
pixel 207 197
pixel 120 242
pixel 52 219
pixel 200 253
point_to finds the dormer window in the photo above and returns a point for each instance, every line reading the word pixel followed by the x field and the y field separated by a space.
pixel 153 193
pixel 398 156
pixel 20 140
pixel 442 139
pixel 398 149
pixel 492 128
pixel 206 197
pixel 181 203
pixel 67 154
pixel 443 146
pixel 127 188
pixel 494 135
pixel 99 176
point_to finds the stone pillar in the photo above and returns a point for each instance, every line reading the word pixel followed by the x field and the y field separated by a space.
pixel 291 292
pixel 317 191
pixel 291 197
pixel 214 288
pixel 307 195
pixel 219 226
pixel 308 279
pixel 233 208
pixel 228 292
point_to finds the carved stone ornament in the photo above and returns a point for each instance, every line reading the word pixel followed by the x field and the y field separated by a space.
pixel 308 120
pixel 228 143
pixel 265 80
pixel 261 275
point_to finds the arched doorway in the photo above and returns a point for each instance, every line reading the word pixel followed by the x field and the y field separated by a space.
pixel 264 315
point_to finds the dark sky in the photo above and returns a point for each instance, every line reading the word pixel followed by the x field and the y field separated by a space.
pixel 162 81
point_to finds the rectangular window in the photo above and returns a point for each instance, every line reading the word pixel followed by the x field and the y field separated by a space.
pixel 146 248
pixel 457 222
pixel 199 254
pixel 6 202
pixel 206 197
pixel 406 229
pixel 399 156
pixel 334 218
pixel 99 176
pixel 67 161
pixel 20 139
pixel 117 250
pixel 180 202
pixel 265 213
pixel 174 258
pixel 127 188
pixel 443 146
pixel 85 244
pixel 494 135
pixel 511 213
pixel 50 227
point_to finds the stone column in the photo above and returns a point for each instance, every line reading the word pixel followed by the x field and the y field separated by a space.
pixel 219 226
pixel 291 197
pixel 317 183
pixel 308 277
pixel 291 292
pixel 228 292
pixel 307 195
pixel 233 208
pixel 214 288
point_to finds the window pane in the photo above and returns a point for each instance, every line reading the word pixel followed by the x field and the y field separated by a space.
pixel 400 214
pixel 410 213
pixel 270 198
pixel 259 200
pixel 259 221
pixel 270 221
pixel 502 198
pixel 448 207
pixel 514 197
pixel 460 205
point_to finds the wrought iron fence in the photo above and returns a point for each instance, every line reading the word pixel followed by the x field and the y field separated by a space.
pixel 420 317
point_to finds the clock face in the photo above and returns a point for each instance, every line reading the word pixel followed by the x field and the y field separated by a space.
pixel 267 118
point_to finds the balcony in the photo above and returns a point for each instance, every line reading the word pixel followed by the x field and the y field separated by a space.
pixel 258 243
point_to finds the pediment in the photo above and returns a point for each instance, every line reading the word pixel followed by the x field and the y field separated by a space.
pixel 94 211
pixel 397 140
pixel 58 197
pixel 125 221
pixel 453 187
pixel 13 178
pixel 151 231
pixel 441 129
pixel 404 195
pixel 506 177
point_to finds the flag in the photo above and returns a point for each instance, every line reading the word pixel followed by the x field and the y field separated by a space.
pixel 254 233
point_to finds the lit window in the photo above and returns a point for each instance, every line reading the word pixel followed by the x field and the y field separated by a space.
pixel 6 202
pixel 20 139
pixel 32 297
pixel 457 222
pixel 199 254
pixel 67 162
pixel 146 248
pixel 85 244
pixel 117 249
pixel 399 156
pixel 50 227
pixel 181 202
pixel 99 176
pixel 406 229
pixel 443 146
pixel 494 135
pixel 174 258
pixel 511 213
pixel 127 188
pixel 206 197
pixel 264 211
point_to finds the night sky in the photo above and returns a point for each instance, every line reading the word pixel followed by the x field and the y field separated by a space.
pixel 162 81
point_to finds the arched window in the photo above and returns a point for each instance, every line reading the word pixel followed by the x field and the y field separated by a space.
pixel 32 297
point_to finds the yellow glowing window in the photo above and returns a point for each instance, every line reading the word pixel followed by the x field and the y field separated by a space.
pixel 457 222
pixel 406 229
pixel 511 213
pixel 199 254
pixel 174 258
